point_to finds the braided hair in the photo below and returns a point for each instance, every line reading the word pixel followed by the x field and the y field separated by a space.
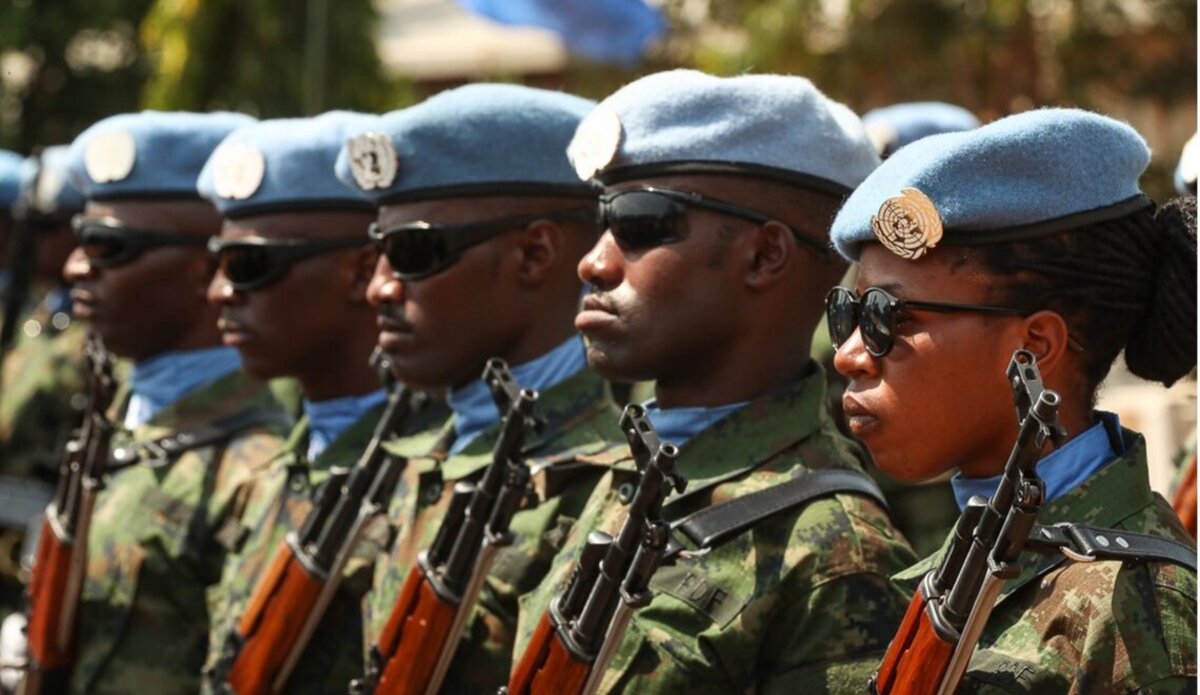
pixel 1128 283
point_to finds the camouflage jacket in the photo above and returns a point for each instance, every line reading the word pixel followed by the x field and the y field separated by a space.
pixel 159 537
pixel 1098 627
pixel 40 398
pixel 800 603
pixel 580 419
pixel 333 656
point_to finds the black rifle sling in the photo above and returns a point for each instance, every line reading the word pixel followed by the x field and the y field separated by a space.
pixel 713 526
pixel 165 449
pixel 1088 543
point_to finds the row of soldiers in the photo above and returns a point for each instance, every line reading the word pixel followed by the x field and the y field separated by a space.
pixel 683 234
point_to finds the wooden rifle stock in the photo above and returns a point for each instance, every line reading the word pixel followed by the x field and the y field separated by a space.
pixel 289 601
pixel 576 638
pixel 929 653
pixel 56 587
pixel 429 616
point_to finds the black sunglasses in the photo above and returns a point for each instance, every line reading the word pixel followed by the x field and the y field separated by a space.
pixel 420 249
pixel 108 243
pixel 874 314
pixel 643 218
pixel 251 263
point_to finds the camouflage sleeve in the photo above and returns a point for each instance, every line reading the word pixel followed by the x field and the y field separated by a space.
pixel 1169 686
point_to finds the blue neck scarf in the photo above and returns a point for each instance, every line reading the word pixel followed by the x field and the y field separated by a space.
pixel 1063 470
pixel 163 379
pixel 328 419
pixel 474 409
pixel 678 425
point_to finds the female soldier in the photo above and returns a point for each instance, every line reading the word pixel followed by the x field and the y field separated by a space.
pixel 1030 233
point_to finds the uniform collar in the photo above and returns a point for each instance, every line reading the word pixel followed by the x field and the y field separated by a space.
pixel 163 379
pixel 328 419
pixel 1064 469
pixel 474 409
pixel 679 425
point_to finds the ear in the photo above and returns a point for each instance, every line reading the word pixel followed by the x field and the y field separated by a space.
pixel 361 267
pixel 540 245
pixel 771 251
pixel 1046 335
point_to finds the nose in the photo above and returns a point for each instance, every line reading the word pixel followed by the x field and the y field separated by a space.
pixel 603 266
pixel 385 287
pixel 77 267
pixel 221 291
pixel 852 359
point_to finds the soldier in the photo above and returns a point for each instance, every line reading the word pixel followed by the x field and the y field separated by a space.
pixel 708 280
pixel 294 260
pixel 10 192
pixel 481 223
pixel 198 432
pixel 43 372
pixel 1029 232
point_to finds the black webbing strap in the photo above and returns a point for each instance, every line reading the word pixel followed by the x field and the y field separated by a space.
pixel 1090 543
pixel 713 526
pixel 165 449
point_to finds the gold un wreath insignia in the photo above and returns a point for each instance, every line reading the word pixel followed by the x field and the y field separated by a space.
pixel 908 224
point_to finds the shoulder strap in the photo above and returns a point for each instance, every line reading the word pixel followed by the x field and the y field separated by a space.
pixel 1083 543
pixel 713 526
pixel 165 449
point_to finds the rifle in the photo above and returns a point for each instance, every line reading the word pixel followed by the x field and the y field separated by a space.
pixel 61 560
pixel 422 633
pixel 941 627
pixel 290 600
pixel 577 637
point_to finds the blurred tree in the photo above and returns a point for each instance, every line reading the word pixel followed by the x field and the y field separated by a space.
pixel 271 58
pixel 64 64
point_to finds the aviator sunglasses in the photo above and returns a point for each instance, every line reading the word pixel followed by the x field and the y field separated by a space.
pixel 251 263
pixel 643 218
pixel 108 243
pixel 420 249
pixel 874 314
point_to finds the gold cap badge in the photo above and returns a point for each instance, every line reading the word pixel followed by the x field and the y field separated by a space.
pixel 109 156
pixel 596 142
pixel 908 224
pixel 373 160
pixel 237 170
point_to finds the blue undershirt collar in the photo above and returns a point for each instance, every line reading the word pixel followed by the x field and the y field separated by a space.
pixel 163 379
pixel 328 419
pixel 474 409
pixel 1063 470
pixel 678 425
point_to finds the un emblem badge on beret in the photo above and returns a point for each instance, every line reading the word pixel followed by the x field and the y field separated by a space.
pixel 237 170
pixel 595 142
pixel 908 224
pixel 109 156
pixel 373 160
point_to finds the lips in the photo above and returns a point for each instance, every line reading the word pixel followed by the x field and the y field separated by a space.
pixel 860 419
pixel 394 331
pixel 83 303
pixel 233 334
pixel 596 311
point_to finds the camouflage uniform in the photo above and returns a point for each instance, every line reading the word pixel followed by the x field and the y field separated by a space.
pixel 800 603
pixel 1098 627
pixel 159 538
pixel 333 655
pixel 43 380
pixel 580 420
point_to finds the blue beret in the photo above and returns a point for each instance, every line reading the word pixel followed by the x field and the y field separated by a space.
pixel 893 127
pixel 683 121
pixel 1189 167
pixel 1027 175
pixel 148 155
pixel 46 182
pixel 10 178
pixel 284 164
pixel 480 139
